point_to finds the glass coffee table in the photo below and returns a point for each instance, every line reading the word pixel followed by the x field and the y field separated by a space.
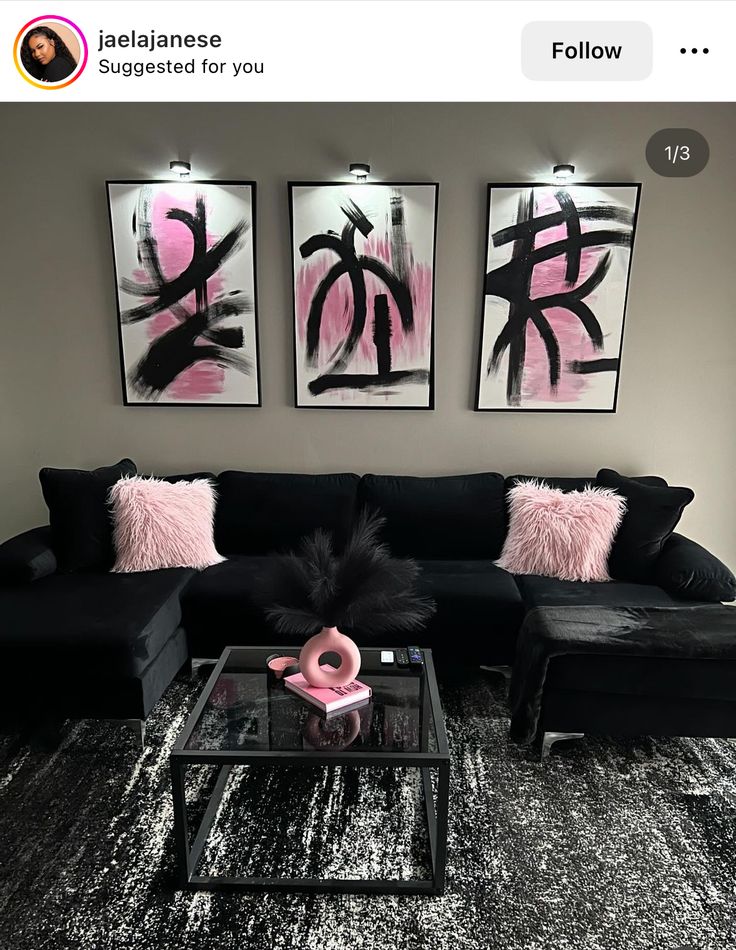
pixel 247 718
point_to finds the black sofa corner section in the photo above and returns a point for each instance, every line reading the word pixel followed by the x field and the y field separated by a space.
pixel 102 645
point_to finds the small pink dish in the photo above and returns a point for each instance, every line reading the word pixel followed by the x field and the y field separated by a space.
pixel 280 666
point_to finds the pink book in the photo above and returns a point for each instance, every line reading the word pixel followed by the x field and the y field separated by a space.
pixel 328 698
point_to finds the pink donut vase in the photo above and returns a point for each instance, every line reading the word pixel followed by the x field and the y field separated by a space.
pixel 329 640
pixel 336 734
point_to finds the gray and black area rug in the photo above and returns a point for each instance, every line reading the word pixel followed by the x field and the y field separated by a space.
pixel 609 845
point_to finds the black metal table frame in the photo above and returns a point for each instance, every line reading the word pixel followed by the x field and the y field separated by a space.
pixel 189 851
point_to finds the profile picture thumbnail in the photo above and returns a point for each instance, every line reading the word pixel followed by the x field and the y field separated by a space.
pixel 50 52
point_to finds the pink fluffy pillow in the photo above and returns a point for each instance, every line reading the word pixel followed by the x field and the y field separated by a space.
pixel 161 524
pixel 567 535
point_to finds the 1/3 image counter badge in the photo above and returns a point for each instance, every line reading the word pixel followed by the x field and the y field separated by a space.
pixel 50 52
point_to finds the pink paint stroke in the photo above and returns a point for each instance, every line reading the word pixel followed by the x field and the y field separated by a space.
pixel 175 244
pixel 408 350
pixel 549 278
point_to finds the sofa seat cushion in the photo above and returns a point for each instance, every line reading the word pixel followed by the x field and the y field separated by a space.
pixel 105 624
pixel 539 591
pixel 479 611
pixel 219 609
pixel 644 676
pixel 476 602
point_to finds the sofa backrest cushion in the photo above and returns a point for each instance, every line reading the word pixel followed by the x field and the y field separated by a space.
pixel 260 512
pixel 442 518
pixel 188 477
pixel 577 482
pixel 79 514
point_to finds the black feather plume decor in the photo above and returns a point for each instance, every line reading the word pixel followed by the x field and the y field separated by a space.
pixel 362 590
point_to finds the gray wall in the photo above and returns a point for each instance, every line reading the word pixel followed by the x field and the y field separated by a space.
pixel 61 396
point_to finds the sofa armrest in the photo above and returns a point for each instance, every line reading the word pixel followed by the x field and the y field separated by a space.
pixel 686 569
pixel 27 557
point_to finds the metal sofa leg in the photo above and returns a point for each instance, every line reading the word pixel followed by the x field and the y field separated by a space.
pixel 549 739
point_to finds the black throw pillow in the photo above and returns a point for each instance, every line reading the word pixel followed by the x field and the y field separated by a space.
pixel 80 519
pixel 688 570
pixel 652 513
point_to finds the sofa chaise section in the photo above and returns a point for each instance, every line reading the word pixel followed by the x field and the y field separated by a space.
pixel 97 645
pixel 616 670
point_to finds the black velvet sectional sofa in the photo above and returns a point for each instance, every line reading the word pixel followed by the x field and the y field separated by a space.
pixel 89 643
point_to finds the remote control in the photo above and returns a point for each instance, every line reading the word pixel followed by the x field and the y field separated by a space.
pixel 415 656
pixel 387 656
pixel 402 658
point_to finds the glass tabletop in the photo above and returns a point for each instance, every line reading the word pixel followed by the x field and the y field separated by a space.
pixel 245 709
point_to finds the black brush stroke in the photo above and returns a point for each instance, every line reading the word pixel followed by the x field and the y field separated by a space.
pixel 314 317
pixel 551 345
pixel 344 248
pixel 512 282
pixel 329 241
pixel 153 372
pixel 399 291
pixel 354 267
pixel 188 280
pixel 231 337
pixel 584 367
pixel 176 350
pixel 197 225
pixel 366 380
pixel 399 243
pixel 589 321
pixel 572 225
pixel 382 335
pixel 559 248
pixel 357 217
pixel 613 213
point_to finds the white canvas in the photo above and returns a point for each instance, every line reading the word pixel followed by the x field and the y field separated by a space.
pixel 186 306
pixel 363 265
pixel 553 326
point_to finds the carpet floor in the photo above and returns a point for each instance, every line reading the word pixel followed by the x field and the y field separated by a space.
pixel 610 845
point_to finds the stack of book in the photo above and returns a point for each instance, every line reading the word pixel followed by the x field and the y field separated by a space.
pixel 330 699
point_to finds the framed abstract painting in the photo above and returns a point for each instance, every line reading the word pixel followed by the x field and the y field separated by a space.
pixel 363 267
pixel 558 260
pixel 185 274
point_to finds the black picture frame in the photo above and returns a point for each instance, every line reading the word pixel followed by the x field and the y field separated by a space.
pixel 181 404
pixel 295 348
pixel 637 186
